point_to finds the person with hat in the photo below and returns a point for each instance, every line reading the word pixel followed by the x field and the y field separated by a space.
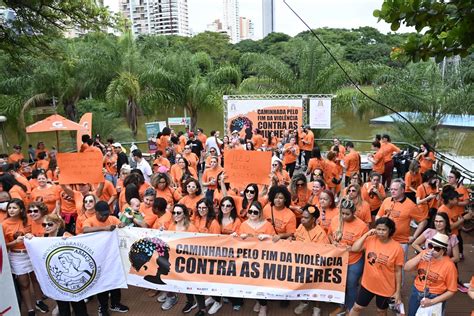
pixel 16 156
pixel 436 279
pixel 122 158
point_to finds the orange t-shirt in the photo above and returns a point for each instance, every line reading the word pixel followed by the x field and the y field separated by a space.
pixel 388 150
pixel 190 203
pixel 381 260
pixel 283 177
pixel 289 156
pixel 373 201
pixel 266 228
pixel 70 205
pixel 401 212
pixel 42 164
pixel 459 210
pixel 191 228
pixel 452 215
pixel 48 196
pixel 284 221
pixel 315 163
pixel 351 231
pixel 257 141
pixel 110 164
pixel 316 235
pixel 331 171
pixel 273 143
pixel 309 139
pixel 363 212
pixel 422 192
pixel 107 192
pixel 442 275
pixel 168 194
pixel 81 218
pixel 37 229
pixel 94 222
pixel 352 163
pixel 13 158
pixel 161 161
pixel 12 227
pixel 412 180
pixel 177 173
pixel 16 192
pixel 162 143
pixel 164 221
pixel 209 174
pixel 231 227
pixel 200 223
pixel 379 166
pixel 326 217
pixel 192 160
pixel 425 164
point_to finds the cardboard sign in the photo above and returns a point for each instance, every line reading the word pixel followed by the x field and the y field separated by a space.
pixel 80 168
pixel 244 167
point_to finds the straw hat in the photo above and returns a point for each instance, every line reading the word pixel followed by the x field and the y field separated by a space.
pixel 439 239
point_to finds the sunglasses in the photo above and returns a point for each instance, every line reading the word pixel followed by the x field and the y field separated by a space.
pixel 212 151
pixel 250 191
pixel 317 174
pixel 176 213
pixel 162 182
pixel 33 211
pixel 352 190
pixel 435 248
pixel 202 208
pixel 300 184
pixel 252 212
pixel 47 224
pixel 226 205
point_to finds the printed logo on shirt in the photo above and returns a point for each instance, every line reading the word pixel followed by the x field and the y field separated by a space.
pixel 71 269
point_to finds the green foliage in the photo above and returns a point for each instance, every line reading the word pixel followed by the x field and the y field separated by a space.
pixel 447 26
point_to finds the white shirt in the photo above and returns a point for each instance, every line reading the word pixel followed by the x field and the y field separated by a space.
pixel 211 142
pixel 145 168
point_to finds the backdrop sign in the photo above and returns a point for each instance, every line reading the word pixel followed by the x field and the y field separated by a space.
pixel 152 129
pixel 242 167
pixel 179 121
pixel 80 167
pixel 266 115
pixel 8 299
pixel 221 265
pixel 78 267
pixel 320 113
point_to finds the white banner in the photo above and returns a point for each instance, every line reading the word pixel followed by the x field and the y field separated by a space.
pixel 77 267
pixel 320 113
pixel 8 300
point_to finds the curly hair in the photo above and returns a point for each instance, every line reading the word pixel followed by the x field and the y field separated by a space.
pixel 279 189
pixel 142 250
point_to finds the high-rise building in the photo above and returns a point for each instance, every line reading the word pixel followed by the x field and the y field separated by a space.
pixel 231 19
pixel 268 16
pixel 246 28
pixel 165 17
pixel 216 26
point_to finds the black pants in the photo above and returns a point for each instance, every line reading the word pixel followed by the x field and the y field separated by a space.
pixel 115 298
pixel 290 167
pixel 461 242
pixel 262 302
pixel 79 308
pixel 365 296
pixel 307 156
pixel 199 299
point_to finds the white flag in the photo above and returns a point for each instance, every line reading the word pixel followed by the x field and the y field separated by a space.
pixel 77 267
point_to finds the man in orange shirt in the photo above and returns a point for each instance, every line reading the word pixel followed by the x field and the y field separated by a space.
pixel 16 156
pixel 378 164
pixel 257 139
pixel 351 161
pixel 307 144
pixel 388 150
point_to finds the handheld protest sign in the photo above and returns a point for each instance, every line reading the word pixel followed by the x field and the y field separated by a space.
pixel 243 167
pixel 80 168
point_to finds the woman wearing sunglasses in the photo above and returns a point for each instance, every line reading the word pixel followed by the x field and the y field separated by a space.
pixel 278 175
pixel 251 194
pixel 36 212
pixel 362 207
pixel 192 193
pixel 309 231
pixel 88 211
pixel 382 276
pixel 300 194
pixel 17 227
pixel 436 279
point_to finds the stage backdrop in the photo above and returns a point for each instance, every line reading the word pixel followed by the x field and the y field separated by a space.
pixel 78 267
pixel 226 266
pixel 266 115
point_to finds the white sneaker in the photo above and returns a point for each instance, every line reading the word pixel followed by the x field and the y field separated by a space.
pixel 302 306
pixel 316 311
pixel 263 311
pixel 162 297
pixel 55 311
pixel 214 308
pixel 256 307
pixel 209 301
pixel 169 303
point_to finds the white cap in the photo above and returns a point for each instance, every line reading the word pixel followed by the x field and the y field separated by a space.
pixel 116 145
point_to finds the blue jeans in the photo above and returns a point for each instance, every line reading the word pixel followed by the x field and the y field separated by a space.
pixel 354 272
pixel 415 299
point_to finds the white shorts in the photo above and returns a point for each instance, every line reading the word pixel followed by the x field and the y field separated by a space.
pixel 20 263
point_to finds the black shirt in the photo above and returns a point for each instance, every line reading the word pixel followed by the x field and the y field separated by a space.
pixel 121 160
pixel 196 146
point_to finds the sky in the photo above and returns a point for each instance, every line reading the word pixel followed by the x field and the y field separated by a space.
pixel 316 13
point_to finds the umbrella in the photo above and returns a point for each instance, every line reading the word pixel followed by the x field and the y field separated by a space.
pixel 54 123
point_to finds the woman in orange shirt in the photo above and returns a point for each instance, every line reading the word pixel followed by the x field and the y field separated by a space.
pixel 332 176
pixel 183 170
pixel 209 177
pixel 344 230
pixel 278 175
pixel 250 196
pixel 316 161
pixel 291 152
pixel 382 276
pixel 88 211
pixel 300 194
pixel 412 180
pixel 36 212
pixel 362 207
pixel 46 193
pixel 16 227
pixel 162 184
pixel 373 193
pixel 14 188
pixel 426 158
pixel 427 193
pixel 309 231
pixel 272 142
pixel 328 209
pixel 192 194
pixel 162 216
pixel 317 187
pixel 205 219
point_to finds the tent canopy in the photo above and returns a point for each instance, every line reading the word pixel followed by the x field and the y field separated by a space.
pixel 53 123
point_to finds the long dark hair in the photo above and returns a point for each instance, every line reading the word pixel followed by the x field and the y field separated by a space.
pixel 211 214
pixel 245 201
pixel 233 212
pixel 8 181
pixel 21 205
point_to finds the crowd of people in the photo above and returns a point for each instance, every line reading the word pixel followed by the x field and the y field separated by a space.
pixel 309 197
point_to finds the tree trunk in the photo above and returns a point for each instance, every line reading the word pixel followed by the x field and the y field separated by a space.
pixel 70 110
pixel 192 112
pixel 132 115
